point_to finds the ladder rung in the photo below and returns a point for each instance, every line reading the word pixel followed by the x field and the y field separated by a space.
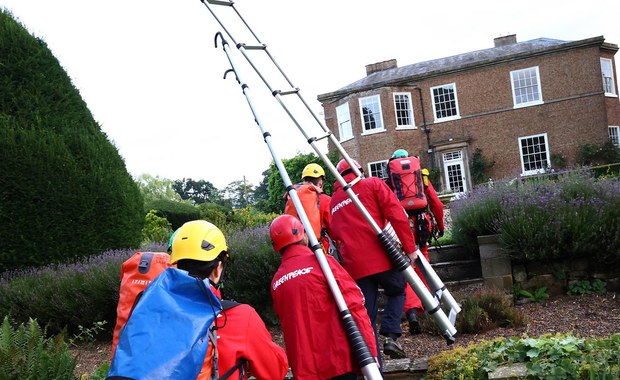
pixel 221 2
pixel 322 137
pixel 253 47
pixel 289 92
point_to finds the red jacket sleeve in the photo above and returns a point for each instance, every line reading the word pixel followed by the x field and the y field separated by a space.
pixel 394 212
pixel 326 215
pixel 266 359
pixel 435 205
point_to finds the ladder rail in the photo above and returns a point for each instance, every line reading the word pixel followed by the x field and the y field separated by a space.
pixel 392 249
pixel 359 347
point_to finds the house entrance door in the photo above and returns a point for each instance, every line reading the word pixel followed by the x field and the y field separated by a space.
pixel 453 166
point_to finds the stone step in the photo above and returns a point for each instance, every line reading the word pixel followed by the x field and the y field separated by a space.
pixel 451 252
pixel 458 270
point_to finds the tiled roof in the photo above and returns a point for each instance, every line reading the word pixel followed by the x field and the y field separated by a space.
pixel 460 61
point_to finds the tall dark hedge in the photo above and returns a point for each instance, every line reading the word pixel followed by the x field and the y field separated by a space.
pixel 64 189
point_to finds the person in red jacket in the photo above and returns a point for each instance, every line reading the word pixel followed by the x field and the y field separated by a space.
pixel 314 336
pixel 364 257
pixel 199 248
pixel 314 201
pixel 423 222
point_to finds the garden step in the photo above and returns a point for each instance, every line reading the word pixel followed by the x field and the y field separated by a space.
pixel 450 253
pixel 458 270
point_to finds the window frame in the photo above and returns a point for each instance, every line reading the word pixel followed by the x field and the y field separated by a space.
pixel 342 124
pixel 538 84
pixel 614 137
pixel 547 153
pixel 613 80
pixel 380 125
pixel 384 166
pixel 409 104
pixel 456 103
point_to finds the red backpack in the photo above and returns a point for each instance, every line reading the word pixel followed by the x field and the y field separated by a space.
pixel 405 179
pixel 310 198
pixel 137 272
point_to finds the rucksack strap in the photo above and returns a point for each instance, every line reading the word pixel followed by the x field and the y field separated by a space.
pixel 239 365
pixel 226 305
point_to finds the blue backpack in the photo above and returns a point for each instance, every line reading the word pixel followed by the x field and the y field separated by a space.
pixel 167 334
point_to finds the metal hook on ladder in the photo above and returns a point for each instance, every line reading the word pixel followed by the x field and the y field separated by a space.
pixel 359 347
pixel 391 247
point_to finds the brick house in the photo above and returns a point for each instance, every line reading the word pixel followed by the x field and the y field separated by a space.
pixel 527 106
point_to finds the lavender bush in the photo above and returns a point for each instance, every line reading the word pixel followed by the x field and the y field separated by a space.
pixel 569 215
pixel 64 297
pixel 250 269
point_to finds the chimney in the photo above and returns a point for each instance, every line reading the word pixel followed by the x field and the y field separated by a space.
pixel 380 66
pixel 505 40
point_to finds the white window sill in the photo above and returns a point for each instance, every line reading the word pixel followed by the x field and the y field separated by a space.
pixel 411 127
pixel 523 105
pixel 373 131
pixel 450 118
pixel 346 139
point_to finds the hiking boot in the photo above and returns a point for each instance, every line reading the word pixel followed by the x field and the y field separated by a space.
pixel 414 324
pixel 393 349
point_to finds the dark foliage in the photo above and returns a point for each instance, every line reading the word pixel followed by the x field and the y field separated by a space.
pixel 64 189
pixel 199 191
pixel 294 167
pixel 176 213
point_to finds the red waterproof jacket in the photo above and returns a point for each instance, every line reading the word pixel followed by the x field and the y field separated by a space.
pixel 434 203
pixel 316 343
pixel 244 335
pixel 412 301
pixel 362 253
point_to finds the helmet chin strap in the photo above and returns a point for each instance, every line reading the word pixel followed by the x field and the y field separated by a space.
pixel 219 283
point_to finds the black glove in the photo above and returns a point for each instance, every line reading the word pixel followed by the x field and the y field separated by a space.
pixel 440 233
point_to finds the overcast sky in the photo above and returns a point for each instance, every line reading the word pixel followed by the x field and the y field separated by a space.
pixel 153 79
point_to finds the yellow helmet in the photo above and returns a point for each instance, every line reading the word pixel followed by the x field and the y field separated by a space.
pixel 197 240
pixel 313 170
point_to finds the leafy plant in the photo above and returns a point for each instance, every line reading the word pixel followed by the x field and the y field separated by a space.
pixel 87 334
pixel 27 354
pixel 587 287
pixel 156 229
pixel 480 167
pixel 539 294
pixel 559 356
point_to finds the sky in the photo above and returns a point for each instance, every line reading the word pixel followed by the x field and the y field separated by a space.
pixel 152 77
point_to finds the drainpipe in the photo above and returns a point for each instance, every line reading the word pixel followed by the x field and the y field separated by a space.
pixel 427 132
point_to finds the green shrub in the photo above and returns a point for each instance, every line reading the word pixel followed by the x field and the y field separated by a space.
pixel 27 354
pixel 156 229
pixel 549 356
pixel 215 213
pixel 247 218
pixel 176 213
pixel 446 239
pixel 587 287
pixel 249 271
pixel 590 154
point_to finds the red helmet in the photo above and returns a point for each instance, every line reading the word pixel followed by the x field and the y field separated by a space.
pixel 343 166
pixel 285 230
